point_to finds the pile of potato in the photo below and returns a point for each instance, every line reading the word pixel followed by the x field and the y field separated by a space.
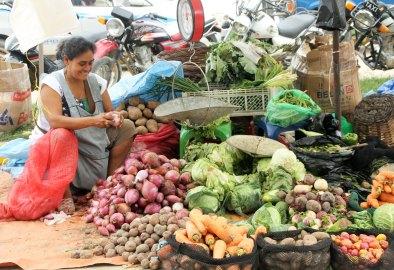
pixel 142 114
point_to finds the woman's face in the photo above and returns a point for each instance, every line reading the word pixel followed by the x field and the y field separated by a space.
pixel 80 67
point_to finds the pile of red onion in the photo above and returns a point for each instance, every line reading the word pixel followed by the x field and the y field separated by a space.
pixel 146 183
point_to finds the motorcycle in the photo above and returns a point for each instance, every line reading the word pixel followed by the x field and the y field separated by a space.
pixel 30 58
pixel 134 43
pixel 252 21
pixel 372 23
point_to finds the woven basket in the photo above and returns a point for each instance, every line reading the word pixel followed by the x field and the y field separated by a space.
pixel 374 116
pixel 183 55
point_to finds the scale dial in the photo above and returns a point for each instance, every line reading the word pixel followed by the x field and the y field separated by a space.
pixel 190 17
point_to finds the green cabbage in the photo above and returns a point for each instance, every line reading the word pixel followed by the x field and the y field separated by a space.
pixel 244 198
pixel 282 208
pixel 201 169
pixel 204 198
pixel 263 165
pixel 287 160
pixel 267 216
pixel 383 217
pixel 278 179
pixel 221 182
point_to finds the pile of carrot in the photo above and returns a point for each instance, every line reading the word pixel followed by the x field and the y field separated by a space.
pixel 216 235
pixel 382 190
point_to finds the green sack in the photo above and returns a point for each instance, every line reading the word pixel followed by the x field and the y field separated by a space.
pixel 290 107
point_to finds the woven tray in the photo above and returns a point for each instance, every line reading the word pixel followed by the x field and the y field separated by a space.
pixel 374 116
pixel 183 55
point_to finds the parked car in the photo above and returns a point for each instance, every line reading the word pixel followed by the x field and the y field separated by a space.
pixel 314 4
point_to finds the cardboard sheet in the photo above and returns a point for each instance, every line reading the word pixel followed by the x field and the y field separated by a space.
pixel 33 245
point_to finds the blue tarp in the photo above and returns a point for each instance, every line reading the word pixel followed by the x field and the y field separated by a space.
pixel 142 84
pixel 386 88
pixel 16 152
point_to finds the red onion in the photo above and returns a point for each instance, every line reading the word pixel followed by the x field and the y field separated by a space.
pixel 151 160
pixel 160 197
pixel 174 162
pixel 173 199
pixel 133 162
pixel 142 202
pixel 111 228
pixel 119 170
pixel 103 193
pixel 131 196
pixel 117 219
pixel 152 208
pixel 93 210
pixel 156 179
pixel 163 159
pixel 182 213
pixel 97 221
pixel 168 188
pixel 121 192
pixel 173 176
pixel 122 208
pixel 180 193
pixel 94 203
pixel 88 218
pixel 167 166
pixel 141 175
pixel 132 170
pixel 112 209
pixel 105 222
pixel 103 202
pixel 186 178
pixel 118 200
pixel 130 216
pixel 149 191
pixel 103 211
pixel 180 186
pixel 128 180
pixel 183 162
pixel 152 171
pixel 135 155
pixel 103 231
pixel 100 182
pixel 138 186
pixel 164 203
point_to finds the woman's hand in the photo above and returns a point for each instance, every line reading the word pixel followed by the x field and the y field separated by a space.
pixel 102 120
pixel 115 118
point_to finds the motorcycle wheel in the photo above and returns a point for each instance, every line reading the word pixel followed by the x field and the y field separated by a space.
pixel 108 69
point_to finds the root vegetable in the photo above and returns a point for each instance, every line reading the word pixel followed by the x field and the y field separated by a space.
pixel 130 246
pixel 176 163
pixel 86 254
pixel 160 197
pixel 141 130
pixel 110 253
pixel 103 231
pixel 147 113
pixel 149 191
pixel 302 189
pixel 137 240
pixel 141 106
pixel 321 185
pixel 117 219
pixel 132 170
pixel 167 234
pixel 141 175
pixel 173 199
pixel 163 159
pixel 151 160
pixel 152 104
pixel 168 188
pixel 125 227
pixel 182 213
pixel 177 206
pixel 313 205
pixel 128 180
pixel 109 246
pixel 289 199
pixel 309 179
pixel 119 250
pixel 122 208
pixel 122 240
pixel 337 191
pixel 311 196
pixel 144 236
pixel 134 101
pixel 326 206
pixel 145 263
pixel 155 237
pixel 173 176
pixel 172 228
pixel 125 255
pixel 130 216
pixel 132 259
pixel 142 202
pixel 327 197
pixel 150 242
pixel 134 232
pixel 309 240
pixel 89 218
pixel 134 113
pixel 156 179
pixel 142 227
pixel 154 219
pixel 143 248
pixel 288 241
pixel 111 228
pixel 98 251
pixel 159 229
pixel 131 196
pixel 186 178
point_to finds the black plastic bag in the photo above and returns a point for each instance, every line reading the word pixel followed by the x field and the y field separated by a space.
pixel 320 163
pixel 283 257
pixel 341 261
pixel 331 15
pixel 175 255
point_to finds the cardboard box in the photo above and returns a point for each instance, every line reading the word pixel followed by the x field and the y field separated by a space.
pixel 315 75
pixel 15 96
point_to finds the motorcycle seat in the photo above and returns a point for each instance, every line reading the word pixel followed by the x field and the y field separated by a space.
pixel 95 36
pixel 292 26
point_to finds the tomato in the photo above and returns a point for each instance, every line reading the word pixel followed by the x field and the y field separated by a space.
pixel 345 235
pixel 354 252
pixel 357 245
pixel 374 244
pixel 381 237
pixel 347 243
pixel 384 244
pixel 344 249
pixel 364 245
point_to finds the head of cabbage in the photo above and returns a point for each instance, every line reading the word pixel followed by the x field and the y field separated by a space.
pixel 244 198
pixel 383 217
pixel 204 198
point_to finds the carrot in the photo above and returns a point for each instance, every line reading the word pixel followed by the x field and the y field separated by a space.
pixel 392 189
pixel 364 205
pixel 259 230
pixel 387 189
pixel 209 239
pixel 386 197
pixel 232 250
pixel 219 249
pixel 217 228
pixel 242 229
pixel 197 216
pixel 181 237
pixel 372 201
pixel 246 246
pixel 237 238
pixel 192 232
